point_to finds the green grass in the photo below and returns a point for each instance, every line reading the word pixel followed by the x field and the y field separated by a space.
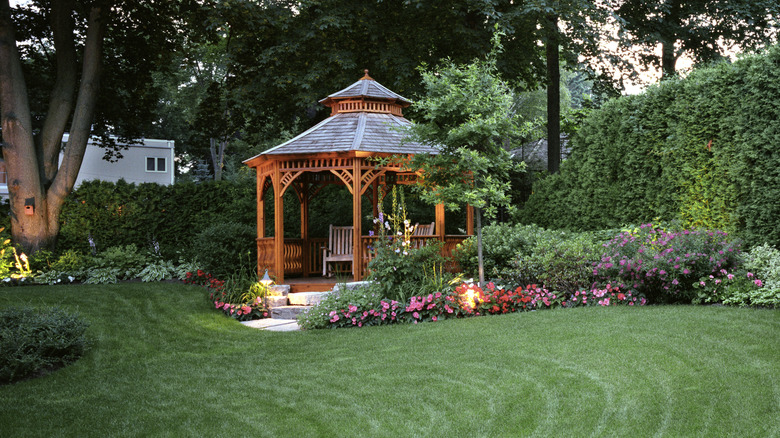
pixel 164 363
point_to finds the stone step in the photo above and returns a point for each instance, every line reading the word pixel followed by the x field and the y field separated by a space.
pixel 306 298
pixel 274 301
pixel 288 312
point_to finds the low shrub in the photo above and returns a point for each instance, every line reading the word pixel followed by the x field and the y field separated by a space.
pixel 606 296
pixel 33 341
pixel 756 283
pixel 501 243
pixel 347 307
pixel 562 262
pixel 240 297
pixel 664 264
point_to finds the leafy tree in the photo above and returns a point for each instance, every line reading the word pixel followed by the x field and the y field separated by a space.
pixel 287 55
pixel 120 43
pixel 702 29
pixel 574 29
pixel 467 114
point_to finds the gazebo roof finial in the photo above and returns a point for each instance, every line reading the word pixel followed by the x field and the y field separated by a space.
pixel 366 76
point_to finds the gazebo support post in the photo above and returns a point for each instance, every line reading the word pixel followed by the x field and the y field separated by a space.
pixel 278 226
pixel 304 198
pixel 357 232
pixel 440 222
pixel 469 220
pixel 260 218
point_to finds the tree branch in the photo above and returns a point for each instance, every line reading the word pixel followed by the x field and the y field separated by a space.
pixel 80 127
pixel 61 102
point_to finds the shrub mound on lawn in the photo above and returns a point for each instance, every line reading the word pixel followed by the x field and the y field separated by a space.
pixel 35 341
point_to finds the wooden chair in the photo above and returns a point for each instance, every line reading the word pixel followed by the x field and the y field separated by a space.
pixel 424 230
pixel 339 248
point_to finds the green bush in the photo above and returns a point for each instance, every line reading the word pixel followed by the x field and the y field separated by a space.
pixel 561 262
pixel 34 341
pixel 700 149
pixel 501 243
pixel 357 300
pixel 226 248
pixel 127 261
pixel 763 262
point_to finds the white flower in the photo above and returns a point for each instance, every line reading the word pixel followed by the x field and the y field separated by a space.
pixel 70 278
pixel 406 253
pixel 400 233
pixel 7 279
pixel 397 250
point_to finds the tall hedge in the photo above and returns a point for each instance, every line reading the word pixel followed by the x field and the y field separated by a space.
pixel 122 213
pixel 704 150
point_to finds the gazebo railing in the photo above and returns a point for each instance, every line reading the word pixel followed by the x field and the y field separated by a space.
pixel 295 262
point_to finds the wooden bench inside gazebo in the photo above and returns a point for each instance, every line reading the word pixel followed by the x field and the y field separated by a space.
pixel 364 124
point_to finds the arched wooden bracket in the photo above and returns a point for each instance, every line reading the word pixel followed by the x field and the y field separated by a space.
pixel 288 178
pixel 368 178
pixel 345 176
pixel 265 185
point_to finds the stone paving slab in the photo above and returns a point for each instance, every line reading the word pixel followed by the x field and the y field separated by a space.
pixel 274 325
pixel 306 298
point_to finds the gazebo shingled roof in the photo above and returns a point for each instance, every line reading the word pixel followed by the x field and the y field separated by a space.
pixel 366 116
pixel 366 120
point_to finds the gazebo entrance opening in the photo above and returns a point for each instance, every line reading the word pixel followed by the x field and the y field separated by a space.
pixel 339 150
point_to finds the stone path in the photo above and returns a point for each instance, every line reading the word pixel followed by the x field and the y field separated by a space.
pixel 274 325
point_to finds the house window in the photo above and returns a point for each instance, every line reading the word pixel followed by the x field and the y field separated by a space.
pixel 155 164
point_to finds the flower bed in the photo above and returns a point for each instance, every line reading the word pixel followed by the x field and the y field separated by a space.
pixel 359 308
pixel 238 304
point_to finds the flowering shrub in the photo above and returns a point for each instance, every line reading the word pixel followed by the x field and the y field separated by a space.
pixel 362 307
pixel 607 296
pixel 432 307
pixel 245 306
pixel 762 289
pixel 664 265
pixel 351 307
pixel 397 268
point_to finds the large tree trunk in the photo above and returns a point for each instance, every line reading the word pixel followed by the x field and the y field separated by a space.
pixel 553 96
pixel 36 188
pixel 668 59
pixel 217 149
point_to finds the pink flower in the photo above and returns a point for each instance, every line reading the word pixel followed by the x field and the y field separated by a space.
pixel 749 275
pixel 434 318
pixel 416 315
pixel 758 282
pixel 686 271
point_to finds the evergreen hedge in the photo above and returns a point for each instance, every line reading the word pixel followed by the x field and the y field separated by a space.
pixel 702 150
pixel 118 214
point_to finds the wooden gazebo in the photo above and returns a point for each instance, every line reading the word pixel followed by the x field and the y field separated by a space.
pixel 366 121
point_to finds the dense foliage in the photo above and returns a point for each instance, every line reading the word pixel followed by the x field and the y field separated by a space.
pixel 700 149
pixel 112 214
pixel 33 341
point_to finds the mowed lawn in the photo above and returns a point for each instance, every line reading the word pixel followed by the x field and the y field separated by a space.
pixel 164 363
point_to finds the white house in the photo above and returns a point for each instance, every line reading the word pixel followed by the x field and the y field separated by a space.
pixel 151 161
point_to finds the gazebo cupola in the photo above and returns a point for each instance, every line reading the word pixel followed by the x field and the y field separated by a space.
pixel 366 95
pixel 366 121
